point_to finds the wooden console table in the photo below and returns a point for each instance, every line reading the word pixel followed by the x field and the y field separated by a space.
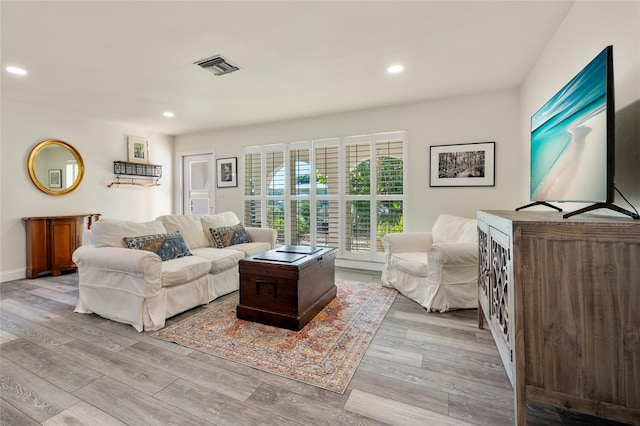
pixel 562 300
pixel 51 240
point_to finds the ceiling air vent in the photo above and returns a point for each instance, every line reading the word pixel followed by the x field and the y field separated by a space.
pixel 217 65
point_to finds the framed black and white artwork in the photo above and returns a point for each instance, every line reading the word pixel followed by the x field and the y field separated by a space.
pixel 227 170
pixel 469 164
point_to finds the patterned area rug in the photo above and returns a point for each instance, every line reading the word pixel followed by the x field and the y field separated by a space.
pixel 325 353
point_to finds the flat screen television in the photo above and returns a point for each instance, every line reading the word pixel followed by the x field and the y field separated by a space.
pixel 572 141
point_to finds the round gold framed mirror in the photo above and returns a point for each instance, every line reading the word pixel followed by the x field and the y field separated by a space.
pixel 55 167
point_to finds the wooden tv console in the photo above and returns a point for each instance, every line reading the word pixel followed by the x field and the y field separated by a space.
pixel 562 300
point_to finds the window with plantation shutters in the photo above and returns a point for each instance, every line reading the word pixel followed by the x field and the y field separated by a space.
pixel 300 176
pixel 253 189
pixel 344 193
pixel 374 166
pixel 358 213
pixel 275 173
pixel 389 188
pixel 327 164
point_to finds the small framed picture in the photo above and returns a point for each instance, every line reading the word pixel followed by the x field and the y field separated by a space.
pixel 227 172
pixel 138 150
pixel 468 164
pixel 55 178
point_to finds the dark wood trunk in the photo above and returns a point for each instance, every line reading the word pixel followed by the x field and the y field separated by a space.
pixel 286 295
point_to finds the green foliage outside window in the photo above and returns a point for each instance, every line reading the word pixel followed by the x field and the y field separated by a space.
pixel 360 179
pixel 389 177
pixel 390 224
pixel 304 179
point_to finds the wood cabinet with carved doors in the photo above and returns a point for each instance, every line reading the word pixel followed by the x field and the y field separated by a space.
pixel 51 240
pixel 495 298
pixel 562 300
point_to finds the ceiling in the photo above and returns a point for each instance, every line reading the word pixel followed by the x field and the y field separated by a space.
pixel 128 62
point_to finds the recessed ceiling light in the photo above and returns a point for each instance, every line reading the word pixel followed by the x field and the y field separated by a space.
pixel 394 69
pixel 16 70
pixel 169 114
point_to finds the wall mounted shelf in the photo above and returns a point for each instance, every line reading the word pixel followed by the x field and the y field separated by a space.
pixel 127 173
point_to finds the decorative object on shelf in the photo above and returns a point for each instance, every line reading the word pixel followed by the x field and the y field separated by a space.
pixel 150 174
pixel 133 169
pixel 55 178
pixel 470 164
pixel 227 172
pixel 138 150
pixel 46 162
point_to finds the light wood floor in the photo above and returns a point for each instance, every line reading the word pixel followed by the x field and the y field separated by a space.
pixel 62 368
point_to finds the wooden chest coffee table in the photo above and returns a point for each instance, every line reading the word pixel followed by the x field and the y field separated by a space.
pixel 286 287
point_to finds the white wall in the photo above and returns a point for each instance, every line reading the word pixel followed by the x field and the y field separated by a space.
pixel 587 29
pixel 99 144
pixel 477 118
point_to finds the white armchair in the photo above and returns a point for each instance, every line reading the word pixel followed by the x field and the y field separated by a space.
pixel 437 269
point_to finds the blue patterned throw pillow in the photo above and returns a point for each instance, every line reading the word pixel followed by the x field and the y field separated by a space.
pixel 167 246
pixel 226 236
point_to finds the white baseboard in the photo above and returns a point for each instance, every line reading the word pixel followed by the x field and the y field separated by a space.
pixel 12 275
pixel 359 264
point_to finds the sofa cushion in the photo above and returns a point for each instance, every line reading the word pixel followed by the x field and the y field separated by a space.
pixel 454 229
pixel 219 259
pixel 183 269
pixel 167 246
pixel 190 227
pixel 226 236
pixel 217 220
pixel 411 263
pixel 110 232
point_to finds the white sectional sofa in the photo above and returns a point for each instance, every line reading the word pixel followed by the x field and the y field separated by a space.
pixel 137 287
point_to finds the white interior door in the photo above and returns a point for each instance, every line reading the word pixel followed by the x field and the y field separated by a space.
pixel 198 190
